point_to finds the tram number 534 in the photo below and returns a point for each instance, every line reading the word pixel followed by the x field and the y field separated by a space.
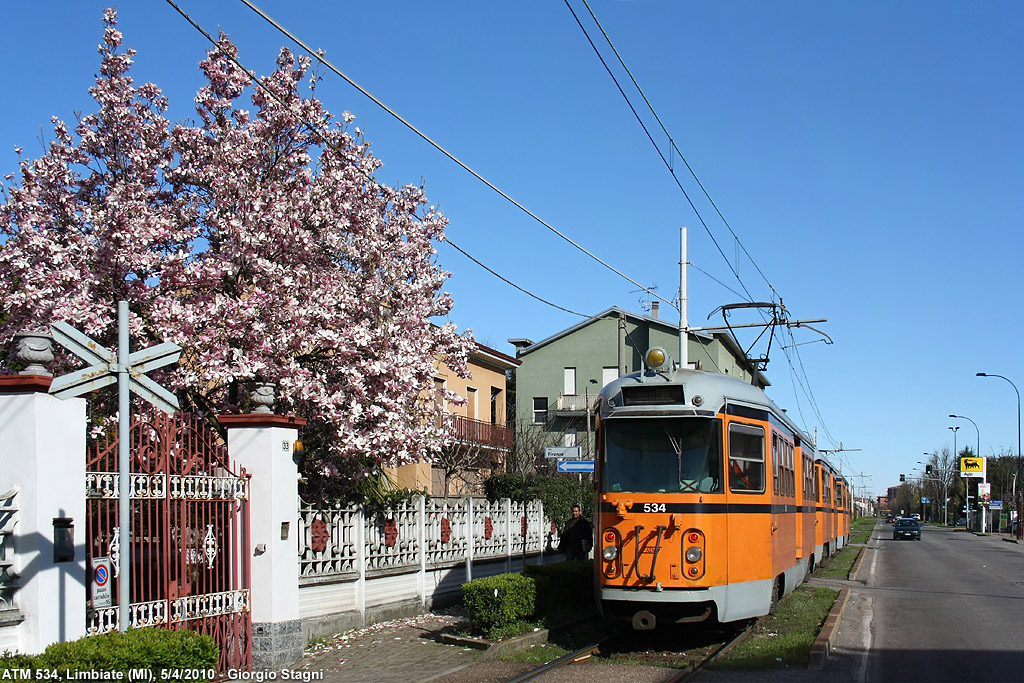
pixel 653 507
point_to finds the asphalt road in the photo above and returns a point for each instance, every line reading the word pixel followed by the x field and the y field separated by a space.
pixel 949 607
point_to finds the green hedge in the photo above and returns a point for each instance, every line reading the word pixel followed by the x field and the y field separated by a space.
pixel 152 649
pixel 496 602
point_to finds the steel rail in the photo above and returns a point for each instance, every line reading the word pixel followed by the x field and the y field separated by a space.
pixel 687 673
pixel 571 658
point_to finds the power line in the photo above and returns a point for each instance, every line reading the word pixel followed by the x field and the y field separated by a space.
pixel 323 60
pixel 804 383
pixel 656 147
pixel 507 281
pixel 313 128
pixel 670 139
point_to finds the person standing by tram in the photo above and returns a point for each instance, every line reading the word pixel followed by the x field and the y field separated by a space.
pixel 577 537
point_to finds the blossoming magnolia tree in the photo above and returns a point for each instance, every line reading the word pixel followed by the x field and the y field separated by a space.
pixel 257 239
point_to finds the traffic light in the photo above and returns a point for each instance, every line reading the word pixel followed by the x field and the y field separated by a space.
pixel 927 469
pixel 903 477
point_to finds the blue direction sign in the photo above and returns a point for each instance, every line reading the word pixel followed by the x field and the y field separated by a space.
pixel 575 465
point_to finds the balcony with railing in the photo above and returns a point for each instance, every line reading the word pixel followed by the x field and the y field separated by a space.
pixel 480 433
pixel 574 404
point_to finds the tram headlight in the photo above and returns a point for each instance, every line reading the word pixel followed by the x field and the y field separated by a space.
pixel 656 358
pixel 693 554
pixel 609 553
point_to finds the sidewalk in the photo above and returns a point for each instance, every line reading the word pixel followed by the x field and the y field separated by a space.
pixel 399 651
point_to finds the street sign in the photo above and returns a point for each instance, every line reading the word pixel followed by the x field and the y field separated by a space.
pixel 104 370
pixel 101 596
pixel 996 505
pixel 575 465
pixel 973 468
pixel 562 452
pixel 926 500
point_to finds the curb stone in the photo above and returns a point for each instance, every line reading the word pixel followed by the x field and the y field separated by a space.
pixel 823 643
pixel 492 648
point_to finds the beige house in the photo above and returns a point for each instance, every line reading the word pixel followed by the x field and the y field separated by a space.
pixel 483 438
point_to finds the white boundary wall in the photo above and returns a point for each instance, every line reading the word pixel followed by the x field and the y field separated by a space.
pixel 42 457
pixel 357 569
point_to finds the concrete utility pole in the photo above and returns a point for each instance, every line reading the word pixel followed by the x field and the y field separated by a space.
pixel 683 322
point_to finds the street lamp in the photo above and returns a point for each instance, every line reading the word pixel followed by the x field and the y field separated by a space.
pixel 967 491
pixel 977 454
pixel 1020 500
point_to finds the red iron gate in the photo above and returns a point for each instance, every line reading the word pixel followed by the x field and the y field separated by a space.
pixel 189 533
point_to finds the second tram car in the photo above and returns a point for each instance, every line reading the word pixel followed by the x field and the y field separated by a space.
pixel 710 502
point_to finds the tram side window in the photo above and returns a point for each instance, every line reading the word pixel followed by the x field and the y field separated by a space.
pixel 808 478
pixel 791 460
pixel 746 458
pixel 777 462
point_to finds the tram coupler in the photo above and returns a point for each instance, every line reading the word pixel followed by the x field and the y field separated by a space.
pixel 644 621
pixel 647 578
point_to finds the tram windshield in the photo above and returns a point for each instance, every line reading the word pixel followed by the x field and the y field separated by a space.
pixel 662 455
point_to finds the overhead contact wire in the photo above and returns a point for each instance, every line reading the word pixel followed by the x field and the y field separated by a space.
pixel 320 58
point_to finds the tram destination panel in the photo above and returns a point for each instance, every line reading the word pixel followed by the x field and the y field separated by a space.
pixel 652 395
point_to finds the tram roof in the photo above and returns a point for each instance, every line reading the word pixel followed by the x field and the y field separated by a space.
pixel 716 388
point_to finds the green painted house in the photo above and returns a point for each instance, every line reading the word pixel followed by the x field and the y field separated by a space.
pixel 562 374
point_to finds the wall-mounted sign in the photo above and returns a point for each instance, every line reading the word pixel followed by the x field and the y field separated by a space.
pixel 562 452
pixel 101 595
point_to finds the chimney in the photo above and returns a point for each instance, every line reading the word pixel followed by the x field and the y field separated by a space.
pixel 654 309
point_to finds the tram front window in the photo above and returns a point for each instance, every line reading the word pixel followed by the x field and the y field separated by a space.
pixel 662 455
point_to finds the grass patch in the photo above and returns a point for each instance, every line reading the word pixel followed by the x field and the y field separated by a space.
pixel 785 638
pixel 514 629
pixel 562 641
pixel 537 654
pixel 860 529
pixel 840 564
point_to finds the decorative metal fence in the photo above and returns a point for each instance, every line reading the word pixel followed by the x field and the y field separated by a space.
pixel 8 577
pixel 434 532
pixel 189 533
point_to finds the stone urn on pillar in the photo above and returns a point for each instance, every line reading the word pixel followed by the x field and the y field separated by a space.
pixel 261 395
pixel 34 349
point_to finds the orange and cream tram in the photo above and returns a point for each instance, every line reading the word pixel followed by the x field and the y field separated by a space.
pixel 709 500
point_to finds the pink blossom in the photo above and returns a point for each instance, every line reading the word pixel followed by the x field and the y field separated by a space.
pixel 263 247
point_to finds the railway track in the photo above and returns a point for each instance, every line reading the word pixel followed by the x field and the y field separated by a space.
pixel 698 650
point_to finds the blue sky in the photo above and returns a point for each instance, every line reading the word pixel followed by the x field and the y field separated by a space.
pixel 869 156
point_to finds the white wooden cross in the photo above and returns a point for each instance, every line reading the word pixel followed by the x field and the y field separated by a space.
pixel 129 371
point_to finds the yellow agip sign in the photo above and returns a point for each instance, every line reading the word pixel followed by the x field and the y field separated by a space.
pixel 972 467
